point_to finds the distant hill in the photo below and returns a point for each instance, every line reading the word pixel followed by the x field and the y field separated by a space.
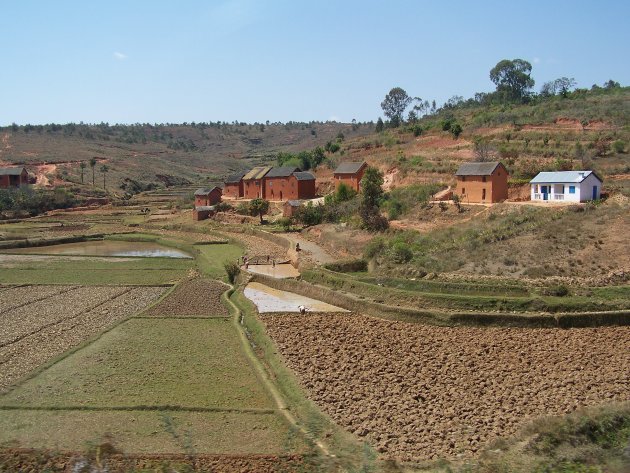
pixel 587 129
pixel 158 154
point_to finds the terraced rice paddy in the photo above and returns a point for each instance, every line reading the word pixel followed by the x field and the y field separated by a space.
pixel 38 323
pixel 424 392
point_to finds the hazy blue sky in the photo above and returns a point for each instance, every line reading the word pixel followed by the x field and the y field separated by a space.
pixel 166 61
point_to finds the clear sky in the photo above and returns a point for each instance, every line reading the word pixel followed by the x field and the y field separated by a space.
pixel 190 60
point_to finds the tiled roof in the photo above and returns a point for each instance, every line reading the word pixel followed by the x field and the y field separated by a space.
pixel 477 169
pixel 349 168
pixel 563 176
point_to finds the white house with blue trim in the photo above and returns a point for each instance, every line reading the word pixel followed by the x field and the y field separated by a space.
pixel 566 186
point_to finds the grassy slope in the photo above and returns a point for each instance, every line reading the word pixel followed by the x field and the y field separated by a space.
pixel 142 152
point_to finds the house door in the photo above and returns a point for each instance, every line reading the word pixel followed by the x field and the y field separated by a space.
pixel 545 192
pixel 594 192
pixel 483 194
pixel 281 195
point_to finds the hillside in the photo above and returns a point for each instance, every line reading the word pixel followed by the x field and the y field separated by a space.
pixel 589 129
pixel 157 154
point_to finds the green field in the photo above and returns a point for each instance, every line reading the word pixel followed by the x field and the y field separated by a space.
pixel 212 257
pixel 92 270
pixel 150 431
pixel 180 363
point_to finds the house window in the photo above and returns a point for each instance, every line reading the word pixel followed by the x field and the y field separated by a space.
pixel 483 179
pixel 463 178
pixel 571 189
pixel 463 190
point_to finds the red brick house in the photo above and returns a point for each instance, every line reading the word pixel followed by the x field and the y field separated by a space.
pixel 254 184
pixel 233 185
pixel 289 183
pixel 481 183
pixel 350 174
pixel 207 197
pixel 13 177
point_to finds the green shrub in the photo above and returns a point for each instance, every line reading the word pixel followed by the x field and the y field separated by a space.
pixel 351 266
pixel 374 248
pixel 619 146
pixel 285 223
pixel 559 290
pixel 401 253
pixel 232 270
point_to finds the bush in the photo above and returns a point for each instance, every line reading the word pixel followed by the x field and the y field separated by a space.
pixel 242 209
pixel 309 215
pixel 223 207
pixel 285 223
pixel 619 146
pixel 232 270
pixel 351 266
pixel 559 290
pixel 374 248
pixel 401 253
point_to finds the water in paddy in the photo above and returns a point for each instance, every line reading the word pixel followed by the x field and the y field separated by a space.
pixel 142 249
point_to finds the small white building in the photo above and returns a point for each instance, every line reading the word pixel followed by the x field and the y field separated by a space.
pixel 568 186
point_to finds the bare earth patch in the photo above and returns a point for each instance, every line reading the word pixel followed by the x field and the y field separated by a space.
pixel 195 297
pixel 424 392
pixel 38 323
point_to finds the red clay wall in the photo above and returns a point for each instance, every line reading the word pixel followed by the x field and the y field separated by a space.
pixel 352 180
pixel 470 188
pixel 214 197
pixel 281 188
pixel 252 189
pixel 13 181
pixel 306 189
pixel 233 190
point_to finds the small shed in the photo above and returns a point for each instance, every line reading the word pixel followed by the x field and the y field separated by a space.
pixel 233 185
pixel 566 186
pixel 290 208
pixel 482 182
pixel 203 212
pixel 350 173
pixel 13 177
pixel 206 197
pixel 306 185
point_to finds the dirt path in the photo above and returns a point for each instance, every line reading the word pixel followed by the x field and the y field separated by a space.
pixel 312 250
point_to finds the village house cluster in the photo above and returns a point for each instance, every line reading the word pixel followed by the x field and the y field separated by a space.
pixel 477 183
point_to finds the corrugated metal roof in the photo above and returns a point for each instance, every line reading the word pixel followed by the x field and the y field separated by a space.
pixel 282 171
pixel 235 178
pixel 202 208
pixel 477 169
pixel 257 173
pixel 11 171
pixel 350 168
pixel 562 176
pixel 294 203
pixel 304 176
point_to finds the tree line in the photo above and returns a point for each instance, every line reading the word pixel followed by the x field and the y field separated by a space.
pixel 514 85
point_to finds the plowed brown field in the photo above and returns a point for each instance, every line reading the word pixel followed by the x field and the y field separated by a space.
pixel 424 392
pixel 195 297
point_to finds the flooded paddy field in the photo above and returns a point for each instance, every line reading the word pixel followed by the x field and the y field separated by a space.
pixel 268 299
pixel 142 249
